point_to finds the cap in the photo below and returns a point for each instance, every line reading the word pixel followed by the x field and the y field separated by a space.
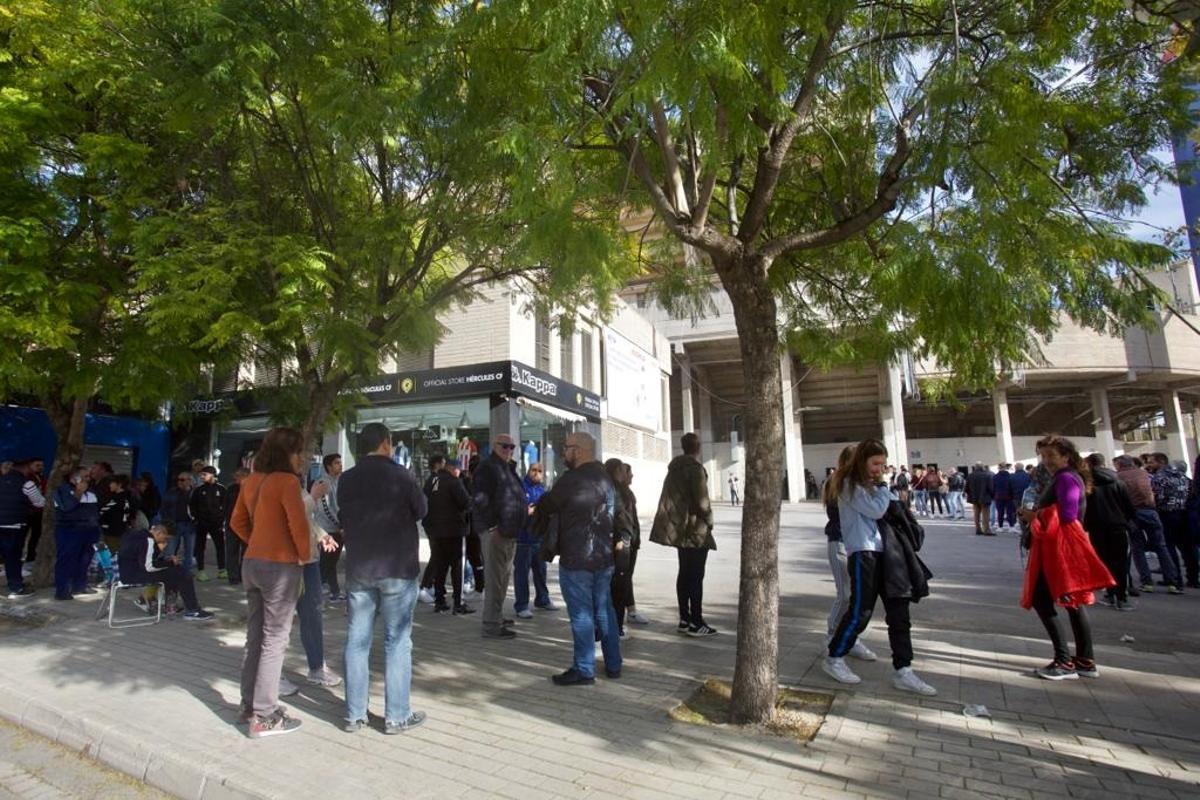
pixel 210 470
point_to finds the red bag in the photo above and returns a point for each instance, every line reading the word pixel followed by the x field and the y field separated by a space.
pixel 1063 554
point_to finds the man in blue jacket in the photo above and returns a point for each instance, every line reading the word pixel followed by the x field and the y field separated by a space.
pixel 76 529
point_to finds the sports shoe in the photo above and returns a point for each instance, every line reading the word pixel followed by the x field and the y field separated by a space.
pixel 462 609
pixel 549 605
pixel 143 604
pixel 245 716
pixel 336 599
pixel 572 678
pixel 354 725
pixel 612 674
pixel 836 668
pixel 273 725
pixel 1125 605
pixel 1147 588
pixel 425 597
pixel 908 681
pixel 323 677
pixel 1170 590
pixel 202 577
pixel 638 618
pixel 286 687
pixel 499 633
pixel 1085 669
pixel 1057 671
pixel 414 719
pixel 1109 600
pixel 222 575
pixel 24 591
pixel 441 607
pixel 199 615
pixel 525 613
pixel 861 651
pixel 683 626
pixel 702 630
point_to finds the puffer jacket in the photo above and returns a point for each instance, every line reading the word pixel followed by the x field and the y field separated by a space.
pixel 684 517
pixel 905 575
pixel 582 505
pixel 1109 507
pixel 498 498
pixel 626 527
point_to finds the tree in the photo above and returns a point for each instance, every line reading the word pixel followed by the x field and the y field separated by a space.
pixel 349 191
pixel 943 176
pixel 82 155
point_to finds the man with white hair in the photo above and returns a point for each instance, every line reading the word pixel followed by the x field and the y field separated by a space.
pixel 500 513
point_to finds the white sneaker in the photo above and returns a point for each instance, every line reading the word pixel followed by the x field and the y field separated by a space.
pixel 836 668
pixel 425 597
pixel 907 680
pixel 525 613
pixel 323 677
pixel 638 618
pixel 862 652
pixel 286 687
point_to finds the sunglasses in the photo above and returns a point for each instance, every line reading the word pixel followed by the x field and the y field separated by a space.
pixel 507 446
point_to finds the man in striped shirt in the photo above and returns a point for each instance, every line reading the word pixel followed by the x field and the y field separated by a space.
pixel 19 497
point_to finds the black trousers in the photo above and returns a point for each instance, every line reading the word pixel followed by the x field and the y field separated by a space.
pixel 329 565
pixel 622 582
pixel 689 585
pixel 178 580
pixel 475 558
pixel 235 551
pixel 1112 546
pixel 938 499
pixel 446 554
pixel 1180 543
pixel 866 586
pixel 1043 604
pixel 12 542
pixel 217 531
pixel 35 533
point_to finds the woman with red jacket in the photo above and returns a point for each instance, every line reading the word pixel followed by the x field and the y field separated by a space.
pixel 1063 568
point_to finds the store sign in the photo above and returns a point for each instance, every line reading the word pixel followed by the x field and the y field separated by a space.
pixel 544 387
pixel 453 382
pixel 638 401
pixel 207 406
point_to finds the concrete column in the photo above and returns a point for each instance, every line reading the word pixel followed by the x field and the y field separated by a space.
pixel 556 355
pixel 685 384
pixel 506 418
pixel 575 375
pixel 597 368
pixel 1004 442
pixel 891 418
pixel 1177 446
pixel 792 446
pixel 1105 443
pixel 708 454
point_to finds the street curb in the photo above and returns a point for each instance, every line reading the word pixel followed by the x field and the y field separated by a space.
pixel 119 750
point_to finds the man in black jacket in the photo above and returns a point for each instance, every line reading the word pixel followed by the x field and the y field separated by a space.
pixel 1107 519
pixel 207 504
pixel 500 513
pixel 582 505
pixel 446 526
pixel 979 495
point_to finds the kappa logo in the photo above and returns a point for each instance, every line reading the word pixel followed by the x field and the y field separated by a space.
pixel 406 385
pixel 535 383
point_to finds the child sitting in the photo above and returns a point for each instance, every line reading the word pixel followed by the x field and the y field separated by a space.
pixel 142 560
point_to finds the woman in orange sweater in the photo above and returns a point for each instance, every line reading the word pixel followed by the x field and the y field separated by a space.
pixel 270 518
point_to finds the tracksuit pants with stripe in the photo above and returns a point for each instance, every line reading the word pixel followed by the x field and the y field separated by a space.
pixel 866 586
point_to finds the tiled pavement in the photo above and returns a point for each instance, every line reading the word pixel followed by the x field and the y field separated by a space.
pixel 160 702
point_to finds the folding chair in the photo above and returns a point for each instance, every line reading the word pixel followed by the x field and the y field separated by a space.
pixel 110 602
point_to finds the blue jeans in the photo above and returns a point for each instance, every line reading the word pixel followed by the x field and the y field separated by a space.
pixel 955 507
pixel 184 543
pixel 312 630
pixel 394 599
pixel 1149 536
pixel 525 562
pixel 589 605
pixel 922 498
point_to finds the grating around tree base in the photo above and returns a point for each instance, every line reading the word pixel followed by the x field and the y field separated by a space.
pixel 798 714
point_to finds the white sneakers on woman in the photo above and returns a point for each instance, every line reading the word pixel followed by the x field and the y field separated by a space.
pixel 861 651
pixel 836 668
pixel 908 681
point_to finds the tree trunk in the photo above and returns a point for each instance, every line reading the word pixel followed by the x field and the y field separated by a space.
pixel 68 421
pixel 755 677
pixel 321 397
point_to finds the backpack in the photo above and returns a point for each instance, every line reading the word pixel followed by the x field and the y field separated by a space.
pixel 325 510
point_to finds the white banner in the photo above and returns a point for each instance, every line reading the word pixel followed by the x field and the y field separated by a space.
pixel 634 383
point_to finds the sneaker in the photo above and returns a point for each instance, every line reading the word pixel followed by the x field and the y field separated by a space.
pixel 836 668
pixel 286 687
pixel 572 678
pixel 441 607
pixel 88 590
pixel 683 626
pixel 335 599
pixel 24 591
pixel 702 630
pixel 499 633
pixel 354 725
pixel 202 577
pixel 549 605
pixel 67 596
pixel 908 681
pixel 323 677
pixel 200 615
pixel 425 597
pixel 222 575
pixel 463 609
pixel 1170 590
pixel 525 613
pixel 1085 669
pixel 1109 600
pixel 612 674
pixel 142 603
pixel 245 716
pixel 638 618
pixel 273 725
pixel 1147 588
pixel 1056 671
pixel 862 652
pixel 414 719
pixel 1125 605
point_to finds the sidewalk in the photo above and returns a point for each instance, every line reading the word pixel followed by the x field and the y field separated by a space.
pixel 159 703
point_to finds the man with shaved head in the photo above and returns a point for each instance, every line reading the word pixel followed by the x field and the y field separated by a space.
pixel 500 513
pixel 583 504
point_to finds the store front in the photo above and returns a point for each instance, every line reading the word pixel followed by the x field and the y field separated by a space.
pixel 454 412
